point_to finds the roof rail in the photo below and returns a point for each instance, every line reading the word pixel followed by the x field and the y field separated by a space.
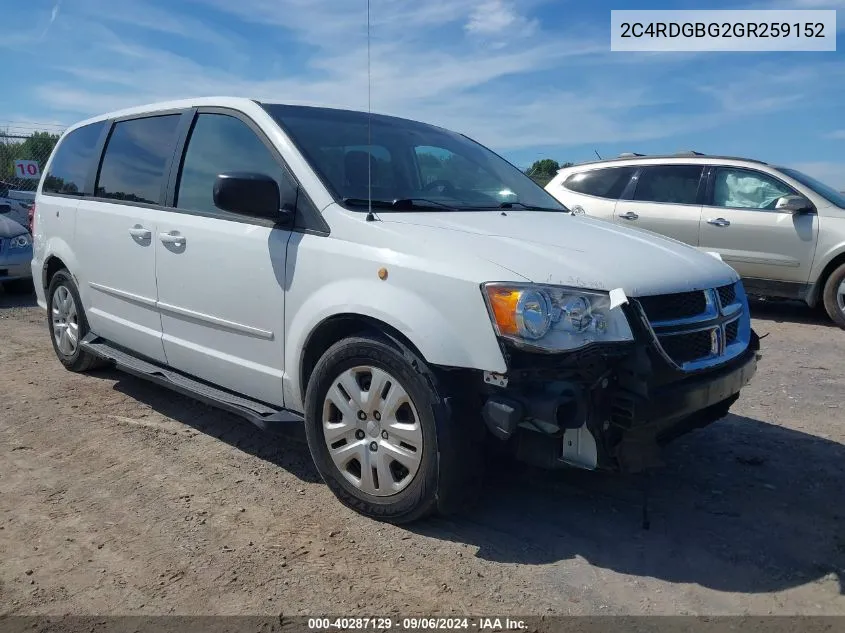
pixel 630 155
pixel 690 153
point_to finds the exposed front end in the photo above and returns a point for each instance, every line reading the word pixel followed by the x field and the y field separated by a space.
pixel 612 405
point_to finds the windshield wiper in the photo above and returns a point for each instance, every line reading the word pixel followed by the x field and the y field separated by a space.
pixel 529 207
pixel 407 204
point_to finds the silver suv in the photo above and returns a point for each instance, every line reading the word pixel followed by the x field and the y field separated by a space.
pixel 783 231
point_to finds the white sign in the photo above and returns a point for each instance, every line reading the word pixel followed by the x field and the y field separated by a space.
pixel 27 169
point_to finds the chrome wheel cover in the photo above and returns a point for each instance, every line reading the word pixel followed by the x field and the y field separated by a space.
pixel 372 431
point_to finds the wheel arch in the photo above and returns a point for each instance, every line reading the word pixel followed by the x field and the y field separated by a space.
pixel 816 290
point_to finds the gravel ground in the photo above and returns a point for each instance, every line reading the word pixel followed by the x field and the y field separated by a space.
pixel 117 497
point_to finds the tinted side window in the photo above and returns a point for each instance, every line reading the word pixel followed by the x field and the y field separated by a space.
pixel 608 182
pixel 747 189
pixel 135 159
pixel 676 184
pixel 221 143
pixel 73 160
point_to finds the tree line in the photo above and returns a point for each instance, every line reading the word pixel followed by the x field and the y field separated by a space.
pixel 543 170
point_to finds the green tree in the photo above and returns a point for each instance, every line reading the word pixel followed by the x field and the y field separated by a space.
pixel 37 146
pixel 543 170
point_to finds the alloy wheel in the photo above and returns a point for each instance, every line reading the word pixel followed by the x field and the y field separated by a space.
pixel 65 319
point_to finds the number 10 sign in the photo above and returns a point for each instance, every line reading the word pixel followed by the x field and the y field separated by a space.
pixel 27 169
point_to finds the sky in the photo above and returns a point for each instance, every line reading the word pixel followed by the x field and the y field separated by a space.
pixel 529 78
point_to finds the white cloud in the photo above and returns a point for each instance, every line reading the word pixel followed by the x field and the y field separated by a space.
pixel 836 135
pixel 498 17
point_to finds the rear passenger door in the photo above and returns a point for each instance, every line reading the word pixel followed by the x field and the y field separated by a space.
pixel 594 191
pixel 115 233
pixel 665 199
pixel 221 275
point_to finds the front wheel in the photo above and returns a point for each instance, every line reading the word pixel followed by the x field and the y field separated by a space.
pixel 834 296
pixel 383 435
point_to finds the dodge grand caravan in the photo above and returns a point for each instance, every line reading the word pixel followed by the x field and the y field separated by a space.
pixel 402 291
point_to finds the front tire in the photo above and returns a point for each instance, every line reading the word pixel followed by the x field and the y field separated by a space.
pixel 67 323
pixel 834 296
pixel 383 435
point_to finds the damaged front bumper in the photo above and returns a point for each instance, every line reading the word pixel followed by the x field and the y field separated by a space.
pixel 607 407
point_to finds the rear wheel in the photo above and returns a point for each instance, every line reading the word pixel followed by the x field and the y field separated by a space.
pixel 834 296
pixel 382 435
pixel 67 324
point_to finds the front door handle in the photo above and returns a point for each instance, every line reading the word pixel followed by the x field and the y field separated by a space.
pixel 139 232
pixel 719 222
pixel 173 237
pixel 629 216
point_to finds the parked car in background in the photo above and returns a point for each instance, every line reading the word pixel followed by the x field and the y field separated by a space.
pixel 783 231
pixel 15 254
pixel 16 204
pixel 400 289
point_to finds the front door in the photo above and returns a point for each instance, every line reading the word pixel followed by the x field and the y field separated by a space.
pixel 665 200
pixel 221 275
pixel 740 223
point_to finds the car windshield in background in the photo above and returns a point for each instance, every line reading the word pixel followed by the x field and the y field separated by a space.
pixel 828 193
pixel 408 165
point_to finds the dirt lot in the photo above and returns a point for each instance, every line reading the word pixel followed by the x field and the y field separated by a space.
pixel 120 498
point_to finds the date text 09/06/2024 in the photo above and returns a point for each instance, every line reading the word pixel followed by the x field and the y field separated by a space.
pixel 416 624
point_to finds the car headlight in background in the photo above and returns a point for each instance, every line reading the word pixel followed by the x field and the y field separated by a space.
pixel 21 241
pixel 554 318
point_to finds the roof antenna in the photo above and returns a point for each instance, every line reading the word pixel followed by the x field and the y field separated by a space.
pixel 370 216
pixel 597 154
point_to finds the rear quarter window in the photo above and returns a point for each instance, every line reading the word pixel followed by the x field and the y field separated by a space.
pixel 73 161
pixel 607 182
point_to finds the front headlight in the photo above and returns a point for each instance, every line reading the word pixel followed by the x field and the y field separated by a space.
pixel 21 241
pixel 554 318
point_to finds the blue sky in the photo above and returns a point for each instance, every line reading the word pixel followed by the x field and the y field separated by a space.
pixel 531 79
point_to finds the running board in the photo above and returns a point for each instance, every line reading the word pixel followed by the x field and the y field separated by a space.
pixel 265 417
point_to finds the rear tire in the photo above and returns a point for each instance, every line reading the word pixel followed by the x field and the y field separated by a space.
pixel 19 287
pixel 369 431
pixel 834 296
pixel 67 324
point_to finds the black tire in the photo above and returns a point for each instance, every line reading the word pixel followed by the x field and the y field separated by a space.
pixel 79 360
pixel 19 287
pixel 830 296
pixel 450 470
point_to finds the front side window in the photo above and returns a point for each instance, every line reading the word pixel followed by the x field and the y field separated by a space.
pixel 606 182
pixel 395 160
pixel 135 159
pixel 747 189
pixel 670 184
pixel 220 143
pixel 73 161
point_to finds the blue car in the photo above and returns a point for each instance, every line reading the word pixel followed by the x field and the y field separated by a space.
pixel 15 254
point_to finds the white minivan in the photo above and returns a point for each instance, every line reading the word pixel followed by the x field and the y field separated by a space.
pixel 402 291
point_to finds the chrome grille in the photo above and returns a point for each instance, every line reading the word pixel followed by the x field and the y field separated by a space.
pixel 699 329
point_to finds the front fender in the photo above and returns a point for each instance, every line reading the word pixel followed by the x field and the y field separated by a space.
pixel 825 254
pixel 450 327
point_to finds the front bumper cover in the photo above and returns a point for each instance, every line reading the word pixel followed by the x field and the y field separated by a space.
pixel 622 403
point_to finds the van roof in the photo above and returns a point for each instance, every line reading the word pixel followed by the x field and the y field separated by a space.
pixel 691 156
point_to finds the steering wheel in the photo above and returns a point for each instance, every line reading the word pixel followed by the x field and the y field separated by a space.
pixel 441 186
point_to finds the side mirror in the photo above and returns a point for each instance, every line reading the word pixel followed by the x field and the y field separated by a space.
pixel 794 205
pixel 251 194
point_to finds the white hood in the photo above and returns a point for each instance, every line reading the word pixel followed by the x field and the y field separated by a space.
pixel 558 248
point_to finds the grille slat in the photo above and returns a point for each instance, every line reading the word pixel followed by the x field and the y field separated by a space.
pixel 727 294
pixel 681 305
pixel 731 331
pixel 683 348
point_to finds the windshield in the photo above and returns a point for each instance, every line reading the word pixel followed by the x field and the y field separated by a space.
pixel 410 165
pixel 828 193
